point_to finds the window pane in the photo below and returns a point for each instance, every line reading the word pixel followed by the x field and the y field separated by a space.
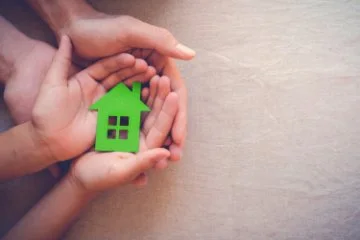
pixel 111 134
pixel 112 120
pixel 124 121
pixel 123 134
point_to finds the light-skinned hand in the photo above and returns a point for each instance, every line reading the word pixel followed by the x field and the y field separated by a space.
pixel 96 35
pixel 61 117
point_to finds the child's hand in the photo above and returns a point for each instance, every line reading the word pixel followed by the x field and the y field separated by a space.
pixel 95 172
pixel 61 116
pixel 166 66
pixel 157 124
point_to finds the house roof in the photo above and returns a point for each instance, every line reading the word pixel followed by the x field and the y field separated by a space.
pixel 121 98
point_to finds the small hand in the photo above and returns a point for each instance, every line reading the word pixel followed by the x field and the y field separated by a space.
pixel 179 129
pixel 61 116
pixel 167 67
pixel 95 172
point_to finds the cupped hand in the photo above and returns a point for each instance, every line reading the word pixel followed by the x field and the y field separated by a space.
pixel 94 172
pixel 100 35
pixel 60 116
pixel 166 66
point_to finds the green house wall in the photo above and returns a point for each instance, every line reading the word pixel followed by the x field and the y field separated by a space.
pixel 131 144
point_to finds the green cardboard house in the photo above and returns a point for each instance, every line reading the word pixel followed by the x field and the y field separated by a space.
pixel 118 121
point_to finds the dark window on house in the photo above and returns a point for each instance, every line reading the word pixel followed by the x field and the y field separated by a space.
pixel 111 134
pixel 112 120
pixel 124 121
pixel 118 127
pixel 123 134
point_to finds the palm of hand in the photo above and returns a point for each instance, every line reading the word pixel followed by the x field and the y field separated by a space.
pixel 61 115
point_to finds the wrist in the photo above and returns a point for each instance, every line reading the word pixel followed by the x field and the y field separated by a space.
pixel 78 11
pixel 22 152
pixel 59 14
pixel 41 146
pixel 13 44
pixel 78 188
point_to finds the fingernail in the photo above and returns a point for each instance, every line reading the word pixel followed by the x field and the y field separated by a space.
pixel 186 50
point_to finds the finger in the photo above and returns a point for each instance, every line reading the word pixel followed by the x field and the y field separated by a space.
pixel 176 152
pixel 131 167
pixel 143 77
pixel 103 68
pixel 55 171
pixel 142 53
pixel 157 60
pixel 153 90
pixel 168 141
pixel 162 91
pixel 162 164
pixel 164 122
pixel 152 57
pixel 139 67
pixel 173 73
pixel 143 35
pixel 140 180
pixel 145 94
pixel 59 70
pixel 179 129
pixel 143 146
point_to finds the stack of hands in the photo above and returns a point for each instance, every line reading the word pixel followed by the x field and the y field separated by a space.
pixel 49 92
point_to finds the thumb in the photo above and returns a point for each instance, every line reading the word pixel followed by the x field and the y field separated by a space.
pixel 60 66
pixel 141 162
pixel 143 35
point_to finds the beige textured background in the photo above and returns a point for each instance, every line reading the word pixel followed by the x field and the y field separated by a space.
pixel 274 131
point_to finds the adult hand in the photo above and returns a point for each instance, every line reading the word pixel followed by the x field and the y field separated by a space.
pixel 98 35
